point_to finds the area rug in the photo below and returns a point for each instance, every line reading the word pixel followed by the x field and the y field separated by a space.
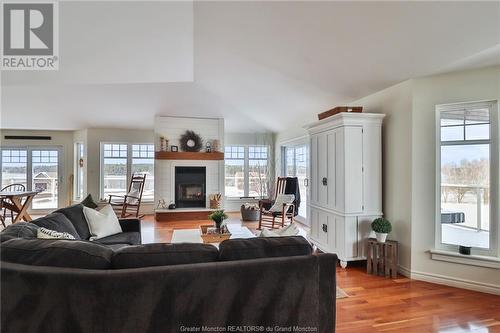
pixel 341 293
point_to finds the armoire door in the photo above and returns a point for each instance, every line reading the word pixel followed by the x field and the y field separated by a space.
pixel 322 169
pixel 353 175
pixel 313 167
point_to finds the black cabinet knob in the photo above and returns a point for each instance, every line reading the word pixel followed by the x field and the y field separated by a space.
pixel 324 227
pixel 325 181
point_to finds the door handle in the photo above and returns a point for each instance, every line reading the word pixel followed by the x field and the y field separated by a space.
pixel 325 181
pixel 306 182
pixel 324 227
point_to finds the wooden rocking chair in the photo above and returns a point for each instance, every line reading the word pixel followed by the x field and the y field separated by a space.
pixel 278 219
pixel 129 205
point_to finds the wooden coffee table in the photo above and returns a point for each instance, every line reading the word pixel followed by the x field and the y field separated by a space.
pixel 193 235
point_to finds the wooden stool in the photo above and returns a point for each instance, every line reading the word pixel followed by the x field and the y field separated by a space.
pixel 382 258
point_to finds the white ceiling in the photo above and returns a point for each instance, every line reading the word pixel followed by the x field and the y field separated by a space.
pixel 260 65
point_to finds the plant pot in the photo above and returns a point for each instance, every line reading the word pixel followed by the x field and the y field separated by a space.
pixel 217 224
pixel 381 237
pixel 249 214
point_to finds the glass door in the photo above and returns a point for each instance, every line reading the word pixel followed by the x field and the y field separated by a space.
pixel 45 177
pixel 296 165
pixel 38 169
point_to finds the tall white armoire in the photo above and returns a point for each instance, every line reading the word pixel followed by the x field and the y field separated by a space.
pixel 346 182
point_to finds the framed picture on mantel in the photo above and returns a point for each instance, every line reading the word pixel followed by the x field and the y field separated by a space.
pixel 174 149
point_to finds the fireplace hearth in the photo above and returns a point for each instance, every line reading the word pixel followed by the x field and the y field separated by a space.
pixel 190 187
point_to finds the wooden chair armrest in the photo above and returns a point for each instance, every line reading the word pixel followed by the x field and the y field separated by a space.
pixel 114 195
pixel 286 206
pixel 110 196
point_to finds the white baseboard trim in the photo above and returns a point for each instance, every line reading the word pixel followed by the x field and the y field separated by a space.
pixel 405 271
pixel 455 282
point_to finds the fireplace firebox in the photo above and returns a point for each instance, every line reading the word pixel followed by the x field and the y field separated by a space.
pixel 190 184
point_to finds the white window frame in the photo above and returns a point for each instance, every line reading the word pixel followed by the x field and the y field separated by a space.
pixel 494 140
pixel 129 165
pixel 246 169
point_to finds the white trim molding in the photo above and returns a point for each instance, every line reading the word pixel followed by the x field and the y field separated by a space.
pixel 474 260
pixel 455 282
pixel 405 271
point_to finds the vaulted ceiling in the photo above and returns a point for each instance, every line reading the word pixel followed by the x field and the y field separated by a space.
pixel 262 66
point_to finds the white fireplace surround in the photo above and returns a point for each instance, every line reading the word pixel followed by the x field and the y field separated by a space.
pixel 171 128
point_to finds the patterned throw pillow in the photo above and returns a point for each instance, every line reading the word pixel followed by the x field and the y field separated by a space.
pixel 44 233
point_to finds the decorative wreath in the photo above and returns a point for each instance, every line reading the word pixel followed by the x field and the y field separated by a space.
pixel 190 141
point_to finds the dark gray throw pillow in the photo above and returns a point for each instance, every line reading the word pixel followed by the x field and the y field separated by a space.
pixel 89 202
pixel 19 230
pixel 57 222
pixel 58 253
pixel 163 255
pixel 253 248
pixel 75 214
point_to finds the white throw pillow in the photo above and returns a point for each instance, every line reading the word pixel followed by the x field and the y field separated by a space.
pixel 44 233
pixel 281 199
pixel 289 230
pixel 268 233
pixel 102 223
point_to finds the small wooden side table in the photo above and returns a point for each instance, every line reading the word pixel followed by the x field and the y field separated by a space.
pixel 382 258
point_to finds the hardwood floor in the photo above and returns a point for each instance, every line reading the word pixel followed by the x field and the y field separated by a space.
pixel 376 304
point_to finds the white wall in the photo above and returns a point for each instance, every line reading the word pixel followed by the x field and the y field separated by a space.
pixel 465 86
pixel 63 139
pixel 396 103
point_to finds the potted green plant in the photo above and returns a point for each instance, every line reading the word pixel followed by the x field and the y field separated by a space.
pixel 382 228
pixel 218 217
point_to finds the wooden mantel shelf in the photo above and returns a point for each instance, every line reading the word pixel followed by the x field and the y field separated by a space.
pixel 168 155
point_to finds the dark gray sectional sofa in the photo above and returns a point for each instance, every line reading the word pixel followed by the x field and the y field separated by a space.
pixel 113 286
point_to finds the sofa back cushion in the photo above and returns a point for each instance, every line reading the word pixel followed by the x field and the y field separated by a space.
pixel 77 218
pixel 19 230
pixel 89 202
pixel 57 222
pixel 253 248
pixel 163 255
pixel 58 253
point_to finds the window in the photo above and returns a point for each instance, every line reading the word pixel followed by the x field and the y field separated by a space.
pixel 79 154
pixel 246 171
pixel 45 175
pixel 234 171
pixel 468 176
pixel 257 171
pixel 143 163
pixel 38 168
pixel 14 167
pixel 114 169
pixel 295 164
pixel 118 165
